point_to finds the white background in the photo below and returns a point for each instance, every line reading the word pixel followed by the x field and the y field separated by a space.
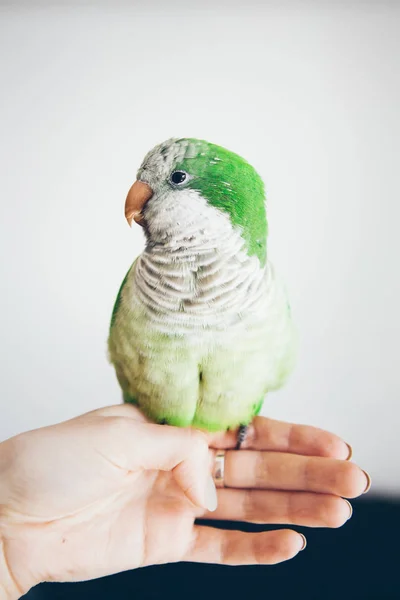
pixel 307 92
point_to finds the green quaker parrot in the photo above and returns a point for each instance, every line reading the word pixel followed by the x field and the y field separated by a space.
pixel 201 329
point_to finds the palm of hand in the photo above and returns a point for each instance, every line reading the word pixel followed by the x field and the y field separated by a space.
pixel 118 519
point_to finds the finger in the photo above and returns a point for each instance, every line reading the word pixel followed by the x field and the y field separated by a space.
pixel 281 471
pixel 278 436
pixel 237 548
pixel 286 508
pixel 135 446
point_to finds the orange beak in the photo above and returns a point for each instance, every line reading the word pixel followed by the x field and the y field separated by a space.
pixel 137 197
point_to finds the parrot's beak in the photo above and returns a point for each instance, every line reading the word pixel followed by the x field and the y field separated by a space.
pixel 137 197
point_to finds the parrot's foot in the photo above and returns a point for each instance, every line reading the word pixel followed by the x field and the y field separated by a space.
pixel 241 436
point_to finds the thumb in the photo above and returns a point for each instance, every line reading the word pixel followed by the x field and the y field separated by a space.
pixel 184 452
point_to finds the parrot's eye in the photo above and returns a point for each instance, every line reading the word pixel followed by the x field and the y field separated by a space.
pixel 179 177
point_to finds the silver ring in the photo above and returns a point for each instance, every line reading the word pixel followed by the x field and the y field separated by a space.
pixel 219 469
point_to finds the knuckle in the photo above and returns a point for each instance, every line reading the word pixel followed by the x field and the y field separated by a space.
pixel 261 470
pixel 198 441
pixel 249 508
pixel 265 549
pixel 296 511
pixel 295 435
pixel 118 426
pixel 281 546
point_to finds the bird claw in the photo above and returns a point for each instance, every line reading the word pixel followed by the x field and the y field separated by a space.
pixel 241 435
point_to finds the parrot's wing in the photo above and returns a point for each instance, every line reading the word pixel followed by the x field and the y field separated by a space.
pixel 122 380
pixel 119 295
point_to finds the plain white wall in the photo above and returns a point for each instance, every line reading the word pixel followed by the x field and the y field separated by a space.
pixel 309 93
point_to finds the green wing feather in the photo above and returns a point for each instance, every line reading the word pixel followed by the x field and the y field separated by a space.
pixel 117 303
pixel 121 378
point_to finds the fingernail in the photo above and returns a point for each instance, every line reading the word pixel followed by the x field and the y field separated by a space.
pixel 304 542
pixel 350 509
pixel 211 495
pixel 368 482
pixel 350 451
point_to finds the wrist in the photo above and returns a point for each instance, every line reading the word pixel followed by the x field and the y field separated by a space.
pixel 8 587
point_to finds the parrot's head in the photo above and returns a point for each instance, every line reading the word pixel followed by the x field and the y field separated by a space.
pixel 187 188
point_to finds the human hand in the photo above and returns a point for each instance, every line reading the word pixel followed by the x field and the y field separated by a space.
pixel 108 491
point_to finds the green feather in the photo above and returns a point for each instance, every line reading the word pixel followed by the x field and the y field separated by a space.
pixel 117 303
pixel 231 184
